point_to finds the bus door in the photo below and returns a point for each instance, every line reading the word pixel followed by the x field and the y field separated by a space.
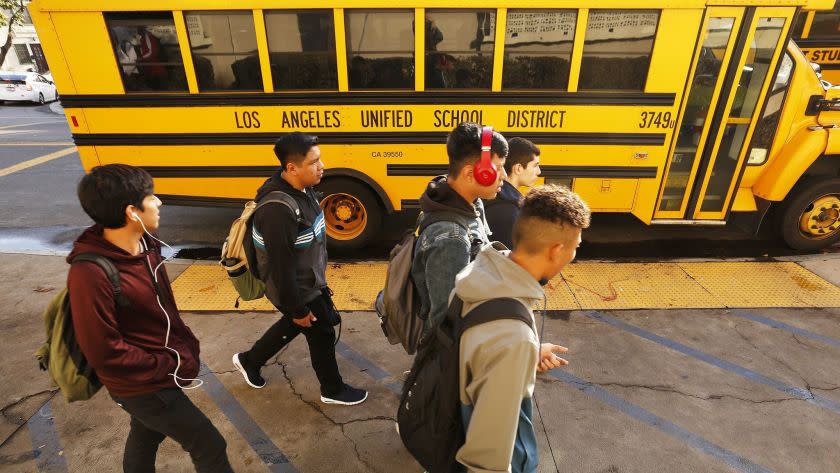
pixel 734 63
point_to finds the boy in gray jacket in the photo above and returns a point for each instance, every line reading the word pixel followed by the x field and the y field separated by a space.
pixel 499 360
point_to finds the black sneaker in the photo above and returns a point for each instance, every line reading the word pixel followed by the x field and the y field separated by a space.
pixel 349 396
pixel 250 373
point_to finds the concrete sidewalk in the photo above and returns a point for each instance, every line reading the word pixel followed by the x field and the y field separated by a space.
pixel 654 390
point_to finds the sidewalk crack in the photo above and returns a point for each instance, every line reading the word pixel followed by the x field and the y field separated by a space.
pixel 584 385
pixel 4 409
pixel 340 425
pixel 777 360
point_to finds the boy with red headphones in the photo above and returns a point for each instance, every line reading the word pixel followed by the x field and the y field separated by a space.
pixel 476 170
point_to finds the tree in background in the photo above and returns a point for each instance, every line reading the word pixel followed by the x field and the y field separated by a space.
pixel 11 15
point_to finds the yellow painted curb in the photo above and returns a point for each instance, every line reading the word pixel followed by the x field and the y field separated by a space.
pixel 585 285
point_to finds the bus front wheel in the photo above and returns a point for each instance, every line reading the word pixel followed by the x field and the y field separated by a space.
pixel 809 218
pixel 352 213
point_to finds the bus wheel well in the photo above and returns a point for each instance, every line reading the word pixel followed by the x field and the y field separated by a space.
pixel 826 165
pixel 352 174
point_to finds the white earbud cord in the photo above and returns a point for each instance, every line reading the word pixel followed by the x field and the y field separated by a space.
pixel 168 321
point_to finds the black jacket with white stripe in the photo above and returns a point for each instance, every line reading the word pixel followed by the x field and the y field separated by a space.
pixel 290 253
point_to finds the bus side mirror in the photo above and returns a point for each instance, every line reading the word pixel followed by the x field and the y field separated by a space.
pixel 817 69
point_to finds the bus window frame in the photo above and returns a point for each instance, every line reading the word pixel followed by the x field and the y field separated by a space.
pixel 492 53
pixel 336 53
pixel 347 59
pixel 759 14
pixel 649 56
pixel 500 72
pixel 737 14
pixel 184 13
pixel 809 24
pixel 188 72
pixel 775 144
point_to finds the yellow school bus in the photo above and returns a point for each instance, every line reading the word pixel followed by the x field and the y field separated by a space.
pixel 679 112
pixel 818 34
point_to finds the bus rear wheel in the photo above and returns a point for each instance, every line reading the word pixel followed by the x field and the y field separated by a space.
pixel 810 217
pixel 352 213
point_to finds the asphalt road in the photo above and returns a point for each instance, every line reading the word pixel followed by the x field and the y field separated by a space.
pixel 39 212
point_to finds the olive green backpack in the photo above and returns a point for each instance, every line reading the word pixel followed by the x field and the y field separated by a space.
pixel 234 257
pixel 61 355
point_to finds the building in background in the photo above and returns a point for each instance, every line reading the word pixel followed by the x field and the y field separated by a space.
pixel 26 53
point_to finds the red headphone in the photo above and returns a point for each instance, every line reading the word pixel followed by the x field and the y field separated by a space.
pixel 484 171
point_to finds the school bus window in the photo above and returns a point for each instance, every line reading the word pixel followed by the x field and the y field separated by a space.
pixel 757 66
pixel 826 23
pixel 224 50
pixel 538 49
pixel 617 49
pixel 766 128
pixel 301 49
pixel 459 49
pixel 799 24
pixel 706 75
pixel 751 80
pixel 147 50
pixel 380 49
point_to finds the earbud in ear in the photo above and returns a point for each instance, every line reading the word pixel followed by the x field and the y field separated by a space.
pixel 135 216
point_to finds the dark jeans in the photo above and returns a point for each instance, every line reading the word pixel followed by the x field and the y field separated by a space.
pixel 170 413
pixel 320 337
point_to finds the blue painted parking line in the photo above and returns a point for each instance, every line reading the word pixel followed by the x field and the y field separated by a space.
pixel 46 445
pixel 693 440
pixel 689 438
pixel 374 371
pixel 788 328
pixel 271 456
pixel 800 393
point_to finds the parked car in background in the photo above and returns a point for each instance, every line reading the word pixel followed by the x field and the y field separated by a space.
pixel 26 86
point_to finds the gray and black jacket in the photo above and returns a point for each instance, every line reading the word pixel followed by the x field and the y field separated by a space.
pixel 445 247
pixel 288 253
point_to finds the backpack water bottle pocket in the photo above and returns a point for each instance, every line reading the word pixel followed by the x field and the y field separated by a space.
pixel 248 286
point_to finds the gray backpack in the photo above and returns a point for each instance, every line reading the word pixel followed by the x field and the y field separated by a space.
pixel 398 303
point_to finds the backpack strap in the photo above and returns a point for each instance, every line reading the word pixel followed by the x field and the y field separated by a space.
pixel 427 219
pixel 280 197
pixel 110 271
pixel 496 309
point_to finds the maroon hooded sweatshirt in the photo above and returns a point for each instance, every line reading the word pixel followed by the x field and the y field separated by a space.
pixel 125 345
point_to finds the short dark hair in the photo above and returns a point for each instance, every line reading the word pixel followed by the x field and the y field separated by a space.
pixel 546 209
pixel 463 145
pixel 521 152
pixel 293 147
pixel 107 190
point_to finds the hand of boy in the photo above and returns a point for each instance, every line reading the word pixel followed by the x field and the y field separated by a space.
pixel 549 359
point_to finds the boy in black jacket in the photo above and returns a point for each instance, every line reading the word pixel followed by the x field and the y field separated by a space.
pixel 289 253
pixel 523 169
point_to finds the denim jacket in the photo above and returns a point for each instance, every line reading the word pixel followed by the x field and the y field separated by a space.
pixel 444 248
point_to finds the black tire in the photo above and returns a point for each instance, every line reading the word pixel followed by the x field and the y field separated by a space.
pixel 365 223
pixel 800 201
pixel 41 99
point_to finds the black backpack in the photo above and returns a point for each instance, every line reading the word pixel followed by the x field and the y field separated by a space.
pixel 429 415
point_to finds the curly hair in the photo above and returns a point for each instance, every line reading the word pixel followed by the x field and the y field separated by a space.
pixel 545 207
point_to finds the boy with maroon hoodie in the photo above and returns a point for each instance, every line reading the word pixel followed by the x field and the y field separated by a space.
pixel 143 352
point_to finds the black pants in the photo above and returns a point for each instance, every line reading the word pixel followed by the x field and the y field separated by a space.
pixel 320 337
pixel 170 413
